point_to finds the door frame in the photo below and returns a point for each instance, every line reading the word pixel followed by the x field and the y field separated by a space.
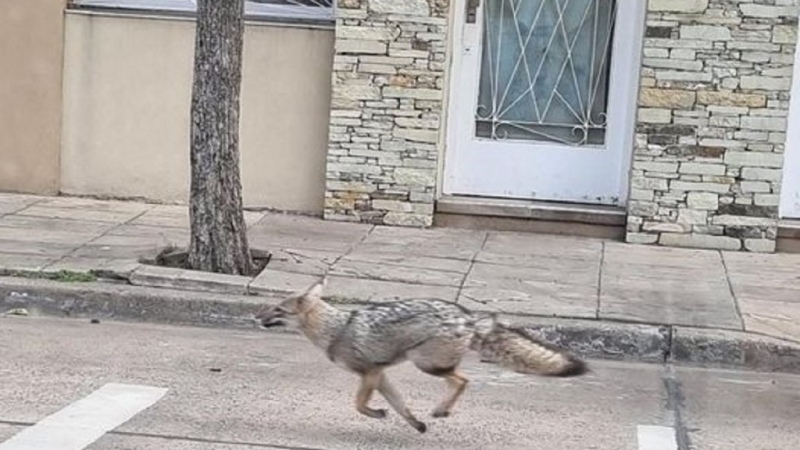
pixel 629 76
pixel 790 183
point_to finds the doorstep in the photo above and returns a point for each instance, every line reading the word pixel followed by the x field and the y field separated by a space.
pixel 531 216
pixel 788 236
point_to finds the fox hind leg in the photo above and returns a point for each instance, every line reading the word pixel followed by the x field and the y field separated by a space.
pixel 369 382
pixel 441 358
pixel 456 384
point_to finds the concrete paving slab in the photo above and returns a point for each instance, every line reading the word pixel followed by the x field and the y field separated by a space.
pixel 125 247
pixel 568 288
pixel 787 293
pixel 96 204
pixel 114 217
pixel 12 203
pixel 178 235
pixel 540 245
pixel 417 261
pixel 744 261
pixel 276 281
pixel 538 298
pixel 43 225
pixel 277 390
pixel 16 261
pixel 36 248
pixel 310 262
pixel 436 242
pixel 727 410
pixel 177 216
pixel 702 307
pixel 377 291
pixel 391 272
pixel 773 318
pixel 552 270
pixel 669 295
pixel 87 209
pixel 47 237
pixel 649 255
pixel 277 231
pixel 755 277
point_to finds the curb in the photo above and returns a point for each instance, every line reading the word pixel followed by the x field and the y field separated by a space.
pixel 587 338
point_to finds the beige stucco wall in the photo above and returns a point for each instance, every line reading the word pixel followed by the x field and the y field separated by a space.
pixel 127 92
pixel 30 94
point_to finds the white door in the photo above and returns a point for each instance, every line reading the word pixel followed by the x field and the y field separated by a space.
pixel 543 99
pixel 790 184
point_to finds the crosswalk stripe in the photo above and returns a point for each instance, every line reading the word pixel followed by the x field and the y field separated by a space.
pixel 81 423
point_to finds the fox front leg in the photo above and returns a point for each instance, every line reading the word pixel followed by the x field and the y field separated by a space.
pixel 393 397
pixel 369 383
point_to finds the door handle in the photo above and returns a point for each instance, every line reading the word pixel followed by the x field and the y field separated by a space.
pixel 472 10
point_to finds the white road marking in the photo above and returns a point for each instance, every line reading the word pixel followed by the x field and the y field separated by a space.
pixel 81 423
pixel 657 438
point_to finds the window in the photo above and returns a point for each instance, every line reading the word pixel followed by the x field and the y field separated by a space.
pixel 285 9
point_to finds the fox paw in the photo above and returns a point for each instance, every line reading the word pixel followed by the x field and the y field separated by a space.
pixel 419 426
pixel 374 413
pixel 440 414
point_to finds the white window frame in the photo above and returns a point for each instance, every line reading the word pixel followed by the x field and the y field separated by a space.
pixel 252 10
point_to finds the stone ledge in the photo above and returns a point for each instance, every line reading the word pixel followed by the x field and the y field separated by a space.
pixel 588 338
pixel 535 210
pixel 530 216
pixel 788 236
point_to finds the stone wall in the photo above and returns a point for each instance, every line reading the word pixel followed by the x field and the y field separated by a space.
pixel 712 123
pixel 386 113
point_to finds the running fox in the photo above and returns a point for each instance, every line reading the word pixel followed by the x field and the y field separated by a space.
pixel 433 334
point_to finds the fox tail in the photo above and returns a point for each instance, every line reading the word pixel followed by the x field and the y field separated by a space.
pixel 513 349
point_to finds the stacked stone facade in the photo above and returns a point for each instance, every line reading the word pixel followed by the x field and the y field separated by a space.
pixel 386 112
pixel 712 120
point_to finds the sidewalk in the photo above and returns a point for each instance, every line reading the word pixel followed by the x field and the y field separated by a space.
pixel 526 275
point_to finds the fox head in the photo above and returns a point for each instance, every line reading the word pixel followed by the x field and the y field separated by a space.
pixel 294 305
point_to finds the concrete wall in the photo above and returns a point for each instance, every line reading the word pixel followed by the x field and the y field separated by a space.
pixel 30 94
pixel 127 83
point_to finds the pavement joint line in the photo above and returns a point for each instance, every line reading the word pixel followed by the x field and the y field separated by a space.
pixel 651 437
pixel 80 424
pixel 350 250
pixel 471 266
pixel 18 211
pixel 736 306
pixel 600 276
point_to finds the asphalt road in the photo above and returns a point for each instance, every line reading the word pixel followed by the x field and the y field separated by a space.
pixel 212 389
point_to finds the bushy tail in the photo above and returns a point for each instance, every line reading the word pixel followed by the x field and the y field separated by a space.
pixel 514 350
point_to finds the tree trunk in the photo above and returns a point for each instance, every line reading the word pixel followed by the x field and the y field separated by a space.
pixel 218 240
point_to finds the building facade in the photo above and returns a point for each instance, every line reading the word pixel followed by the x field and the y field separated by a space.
pixel 665 122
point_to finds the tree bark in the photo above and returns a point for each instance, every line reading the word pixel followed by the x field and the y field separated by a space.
pixel 218 241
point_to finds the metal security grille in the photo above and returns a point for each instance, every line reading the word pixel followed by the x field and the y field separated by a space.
pixel 544 70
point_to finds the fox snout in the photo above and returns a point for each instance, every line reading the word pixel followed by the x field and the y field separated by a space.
pixel 270 317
